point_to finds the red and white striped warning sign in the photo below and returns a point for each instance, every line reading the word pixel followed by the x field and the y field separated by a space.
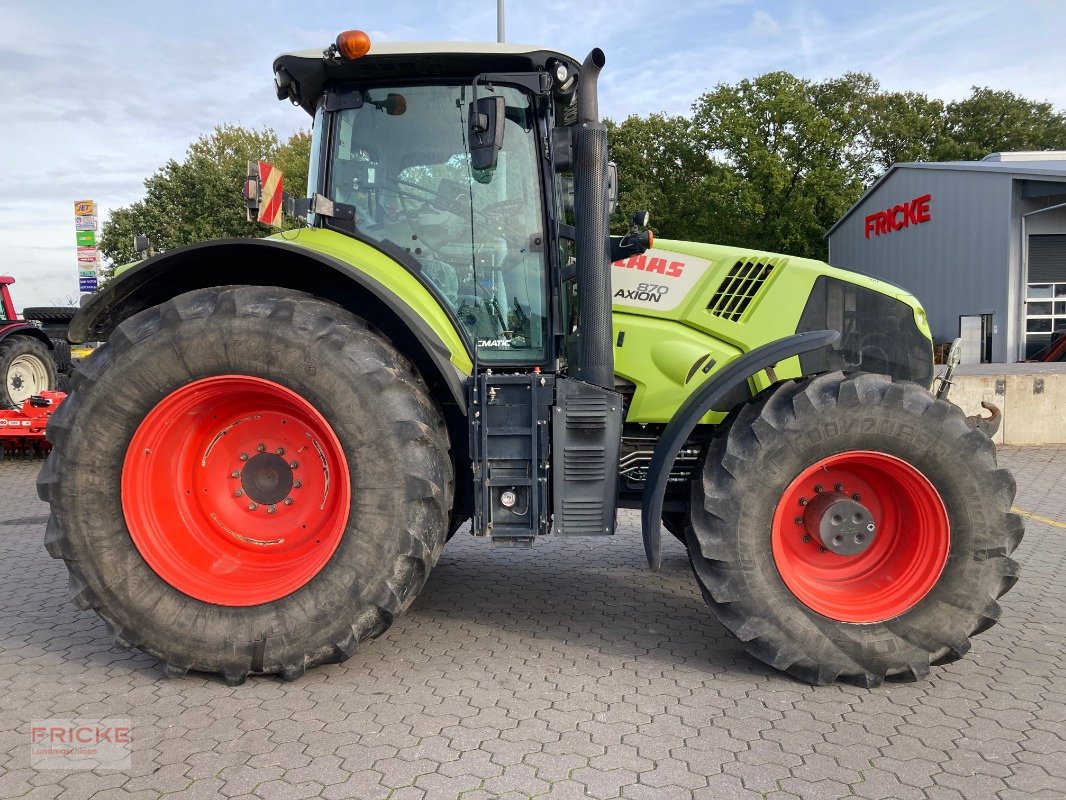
pixel 270 197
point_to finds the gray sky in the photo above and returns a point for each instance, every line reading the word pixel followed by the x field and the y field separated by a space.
pixel 97 96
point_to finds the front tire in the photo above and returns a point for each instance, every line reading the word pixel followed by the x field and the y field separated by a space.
pixel 247 481
pixel 921 503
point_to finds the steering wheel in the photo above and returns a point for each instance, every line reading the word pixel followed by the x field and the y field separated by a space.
pixel 495 216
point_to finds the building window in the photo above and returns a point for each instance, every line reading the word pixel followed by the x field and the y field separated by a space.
pixel 1045 315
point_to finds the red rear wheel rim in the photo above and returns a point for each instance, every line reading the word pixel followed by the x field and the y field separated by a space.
pixel 901 565
pixel 235 490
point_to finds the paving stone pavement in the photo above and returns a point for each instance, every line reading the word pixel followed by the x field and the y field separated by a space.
pixel 563 671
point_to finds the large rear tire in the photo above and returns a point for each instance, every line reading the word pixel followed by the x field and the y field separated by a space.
pixel 247 480
pixel 851 527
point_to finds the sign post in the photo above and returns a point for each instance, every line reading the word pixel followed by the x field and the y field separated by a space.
pixel 85 224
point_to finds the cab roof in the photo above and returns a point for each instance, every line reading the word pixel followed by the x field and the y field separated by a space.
pixel 400 61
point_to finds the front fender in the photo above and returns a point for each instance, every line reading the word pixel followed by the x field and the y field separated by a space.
pixel 693 410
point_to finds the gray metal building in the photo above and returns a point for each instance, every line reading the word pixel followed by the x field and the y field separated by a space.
pixel 982 244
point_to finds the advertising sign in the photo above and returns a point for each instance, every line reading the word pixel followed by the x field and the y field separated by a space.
pixel 85 235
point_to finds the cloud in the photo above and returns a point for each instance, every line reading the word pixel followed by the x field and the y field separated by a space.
pixel 764 23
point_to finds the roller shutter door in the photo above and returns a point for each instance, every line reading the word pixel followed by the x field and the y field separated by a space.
pixel 1045 295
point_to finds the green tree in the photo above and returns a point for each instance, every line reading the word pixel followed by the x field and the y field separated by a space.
pixel 661 168
pixel 797 152
pixel 905 126
pixel 990 121
pixel 200 197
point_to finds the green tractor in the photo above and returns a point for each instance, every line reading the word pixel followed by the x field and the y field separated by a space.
pixel 258 471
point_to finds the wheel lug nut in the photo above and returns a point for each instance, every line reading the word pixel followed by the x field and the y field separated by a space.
pixel 288 501
pixel 261 448
pixel 803 501
pixel 856 497
pixel 244 456
pixel 236 473
pixel 839 487
pixel 294 464
pixel 271 509
pixel 280 451
pixel 252 506
pixel 806 537
pixel 297 484
pixel 239 493
pixel 818 488
pixel 798 520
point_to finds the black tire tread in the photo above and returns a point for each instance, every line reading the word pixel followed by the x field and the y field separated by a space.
pixel 419 425
pixel 824 650
pixel 50 313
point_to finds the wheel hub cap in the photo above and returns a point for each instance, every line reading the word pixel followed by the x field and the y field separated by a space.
pixel 843 525
pixel 267 479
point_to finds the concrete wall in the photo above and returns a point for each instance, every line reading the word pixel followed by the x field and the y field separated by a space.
pixel 957 263
pixel 1033 402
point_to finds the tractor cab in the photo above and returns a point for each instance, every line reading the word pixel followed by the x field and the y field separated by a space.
pixel 449 159
pixel 438 154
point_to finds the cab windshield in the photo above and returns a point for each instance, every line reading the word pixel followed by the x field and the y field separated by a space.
pixel 399 157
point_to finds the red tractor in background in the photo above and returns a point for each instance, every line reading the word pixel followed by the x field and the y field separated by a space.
pixel 30 362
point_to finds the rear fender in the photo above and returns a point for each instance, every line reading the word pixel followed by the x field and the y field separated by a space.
pixel 409 315
pixel 22 329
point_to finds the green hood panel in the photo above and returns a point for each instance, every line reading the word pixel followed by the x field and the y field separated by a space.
pixel 684 310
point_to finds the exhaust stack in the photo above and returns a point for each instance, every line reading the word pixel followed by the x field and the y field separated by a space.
pixel 595 361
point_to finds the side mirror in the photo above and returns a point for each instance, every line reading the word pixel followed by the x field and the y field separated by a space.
pixel 612 187
pixel 486 131
pixel 394 105
pixel 141 245
pixel 566 188
pixel 562 149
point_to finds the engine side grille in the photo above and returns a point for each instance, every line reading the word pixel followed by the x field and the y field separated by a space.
pixel 584 463
pixel 586 412
pixel 740 287
pixel 583 517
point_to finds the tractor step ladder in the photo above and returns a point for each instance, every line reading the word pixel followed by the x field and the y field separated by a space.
pixel 510 418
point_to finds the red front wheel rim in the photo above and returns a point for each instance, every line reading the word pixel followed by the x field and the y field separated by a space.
pixel 905 552
pixel 235 490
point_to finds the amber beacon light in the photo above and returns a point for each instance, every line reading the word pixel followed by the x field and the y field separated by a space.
pixel 353 44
